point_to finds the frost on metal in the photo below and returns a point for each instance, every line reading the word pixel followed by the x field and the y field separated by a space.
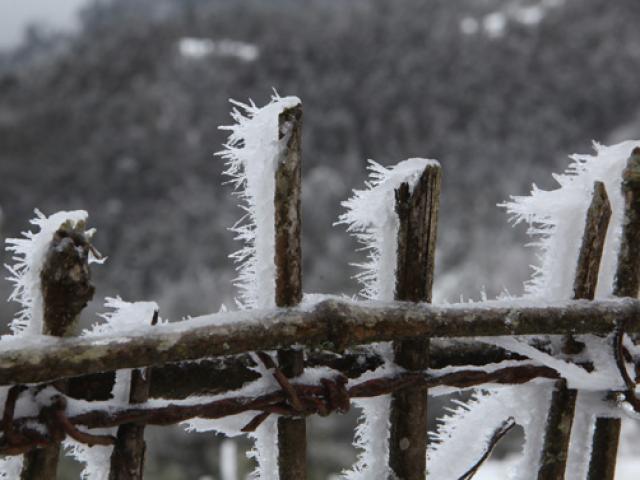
pixel 251 154
pixel 28 254
pixel 372 220
pixel 122 316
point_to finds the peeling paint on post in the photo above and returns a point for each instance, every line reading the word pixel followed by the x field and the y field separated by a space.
pixel 418 218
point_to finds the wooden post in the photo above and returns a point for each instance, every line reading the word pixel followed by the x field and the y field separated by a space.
pixel 554 454
pixel 127 458
pixel 627 284
pixel 292 432
pixel 66 289
pixel 418 217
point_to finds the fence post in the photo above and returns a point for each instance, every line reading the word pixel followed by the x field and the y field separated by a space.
pixel 553 459
pixel 127 458
pixel 418 219
pixel 292 432
pixel 66 288
pixel 627 283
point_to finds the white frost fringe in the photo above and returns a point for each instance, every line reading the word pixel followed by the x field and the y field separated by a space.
pixel 461 438
pixel 372 438
pixel 29 254
pixel 10 467
pixel 123 316
pixel 556 220
pixel 372 220
pixel 251 155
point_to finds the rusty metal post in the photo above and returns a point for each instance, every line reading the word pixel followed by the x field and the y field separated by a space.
pixel 418 220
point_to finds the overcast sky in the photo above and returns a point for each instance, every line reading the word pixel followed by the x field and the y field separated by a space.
pixel 16 14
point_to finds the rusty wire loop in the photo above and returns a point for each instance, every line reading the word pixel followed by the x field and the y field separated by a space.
pixel 53 416
pixel 291 399
pixel 300 401
pixel 620 354
pixel 500 432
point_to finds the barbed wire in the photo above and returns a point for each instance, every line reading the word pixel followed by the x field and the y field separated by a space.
pixel 292 399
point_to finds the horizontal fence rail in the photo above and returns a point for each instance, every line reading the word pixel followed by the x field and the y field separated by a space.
pixel 331 325
pixel 197 368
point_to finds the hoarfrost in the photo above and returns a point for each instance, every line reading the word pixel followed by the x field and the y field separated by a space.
pixel 251 154
pixel 580 444
pixel 265 450
pixel 10 467
pixel 372 220
pixel 123 315
pixel 556 220
pixel 28 254
pixel 96 459
pixel 463 435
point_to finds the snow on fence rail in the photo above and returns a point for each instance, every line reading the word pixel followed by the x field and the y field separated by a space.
pixel 546 361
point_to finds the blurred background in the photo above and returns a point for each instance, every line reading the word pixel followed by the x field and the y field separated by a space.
pixel 113 106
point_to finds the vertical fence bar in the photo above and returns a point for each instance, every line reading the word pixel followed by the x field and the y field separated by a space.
pixel 604 449
pixel 66 289
pixel 553 459
pixel 418 217
pixel 127 458
pixel 292 432
pixel 627 283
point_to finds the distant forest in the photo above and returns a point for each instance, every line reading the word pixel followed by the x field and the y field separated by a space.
pixel 120 119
